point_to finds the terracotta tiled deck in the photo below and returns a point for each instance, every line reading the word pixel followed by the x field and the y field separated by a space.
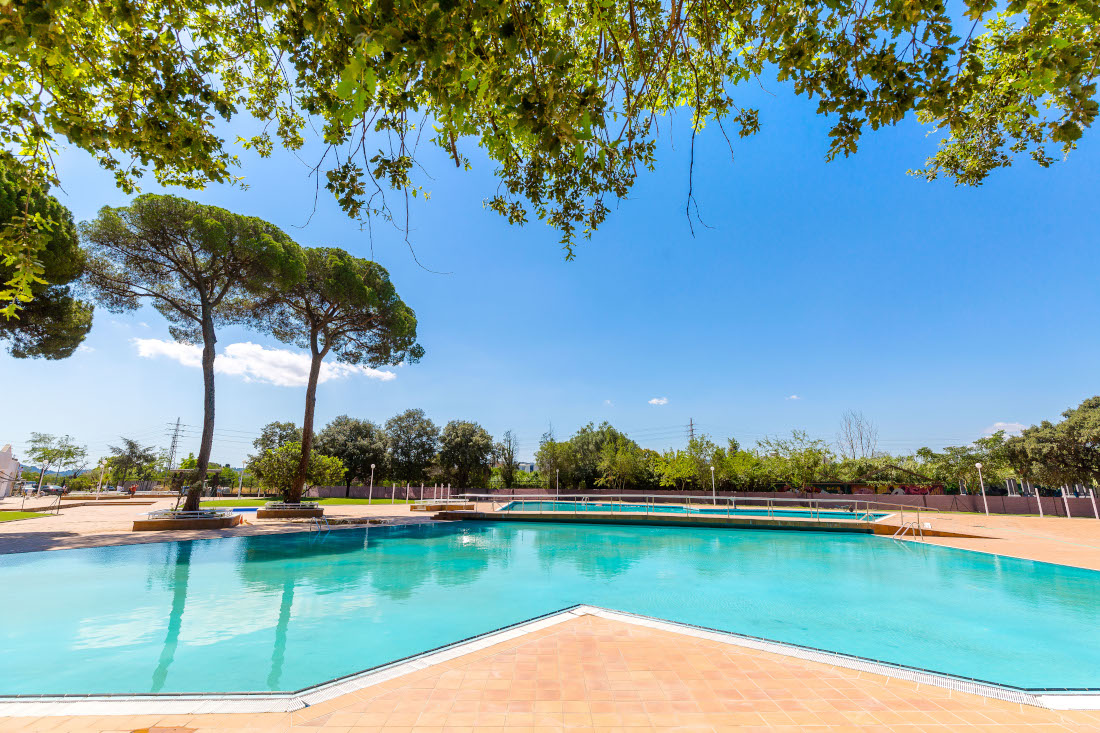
pixel 592 674
pixel 1059 540
pixel 99 526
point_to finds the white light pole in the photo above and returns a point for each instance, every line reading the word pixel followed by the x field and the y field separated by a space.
pixel 713 493
pixel 370 491
pixel 981 481
pixel 557 483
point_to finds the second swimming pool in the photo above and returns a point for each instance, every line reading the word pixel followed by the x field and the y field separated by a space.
pixel 750 511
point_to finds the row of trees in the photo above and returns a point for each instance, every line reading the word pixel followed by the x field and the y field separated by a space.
pixel 411 448
pixel 202 267
pixel 128 460
pixel 408 448
pixel 1051 455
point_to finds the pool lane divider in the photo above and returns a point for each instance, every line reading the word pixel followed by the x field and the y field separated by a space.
pixel 281 702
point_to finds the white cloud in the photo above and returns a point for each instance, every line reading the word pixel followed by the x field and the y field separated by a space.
pixel 794 397
pixel 85 349
pixel 1010 428
pixel 143 324
pixel 608 403
pixel 659 401
pixel 254 363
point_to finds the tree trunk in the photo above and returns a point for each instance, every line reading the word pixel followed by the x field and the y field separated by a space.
pixel 194 492
pixel 295 493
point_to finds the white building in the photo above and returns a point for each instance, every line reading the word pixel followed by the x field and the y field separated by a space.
pixel 9 471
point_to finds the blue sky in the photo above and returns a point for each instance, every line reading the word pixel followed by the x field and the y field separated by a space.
pixel 819 287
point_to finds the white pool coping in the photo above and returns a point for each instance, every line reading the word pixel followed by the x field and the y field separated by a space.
pixel 281 702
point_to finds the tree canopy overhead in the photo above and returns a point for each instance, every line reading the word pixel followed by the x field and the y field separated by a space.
pixel 47 321
pixel 564 96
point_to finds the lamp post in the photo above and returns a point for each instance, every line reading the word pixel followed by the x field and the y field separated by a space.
pixel 370 491
pixel 557 483
pixel 982 483
pixel 713 493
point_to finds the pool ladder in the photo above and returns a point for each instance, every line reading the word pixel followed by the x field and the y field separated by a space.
pixel 320 523
pixel 912 528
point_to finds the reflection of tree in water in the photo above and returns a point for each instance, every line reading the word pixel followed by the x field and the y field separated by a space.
pixel 446 554
pixel 392 561
pixel 277 563
pixel 177 576
pixel 604 551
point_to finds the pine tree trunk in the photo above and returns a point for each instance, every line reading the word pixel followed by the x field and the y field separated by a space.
pixel 295 494
pixel 194 492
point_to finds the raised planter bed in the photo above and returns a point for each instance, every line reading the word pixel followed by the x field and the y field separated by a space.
pixel 279 510
pixel 168 519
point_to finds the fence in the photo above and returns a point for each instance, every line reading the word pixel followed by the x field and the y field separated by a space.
pixel 1052 506
pixel 430 491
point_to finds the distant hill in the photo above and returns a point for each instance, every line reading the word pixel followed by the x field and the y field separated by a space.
pixel 36 469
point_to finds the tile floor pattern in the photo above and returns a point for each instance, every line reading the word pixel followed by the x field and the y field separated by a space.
pixel 593 674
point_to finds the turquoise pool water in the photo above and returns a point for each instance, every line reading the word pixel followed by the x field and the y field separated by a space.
pixel 281 612
pixel 753 511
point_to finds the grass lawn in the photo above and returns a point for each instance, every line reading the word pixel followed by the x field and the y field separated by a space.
pixel 325 502
pixel 12 516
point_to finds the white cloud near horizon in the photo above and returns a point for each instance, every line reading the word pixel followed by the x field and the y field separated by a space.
pixel 1010 428
pixel 794 397
pixel 608 403
pixel 659 401
pixel 254 363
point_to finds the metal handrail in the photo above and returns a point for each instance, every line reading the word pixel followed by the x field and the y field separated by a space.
pixel 284 505
pixel 913 528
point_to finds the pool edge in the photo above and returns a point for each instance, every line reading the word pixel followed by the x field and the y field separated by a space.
pixel 282 702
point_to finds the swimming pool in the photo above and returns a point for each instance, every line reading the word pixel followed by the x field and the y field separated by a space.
pixel 281 612
pixel 725 511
